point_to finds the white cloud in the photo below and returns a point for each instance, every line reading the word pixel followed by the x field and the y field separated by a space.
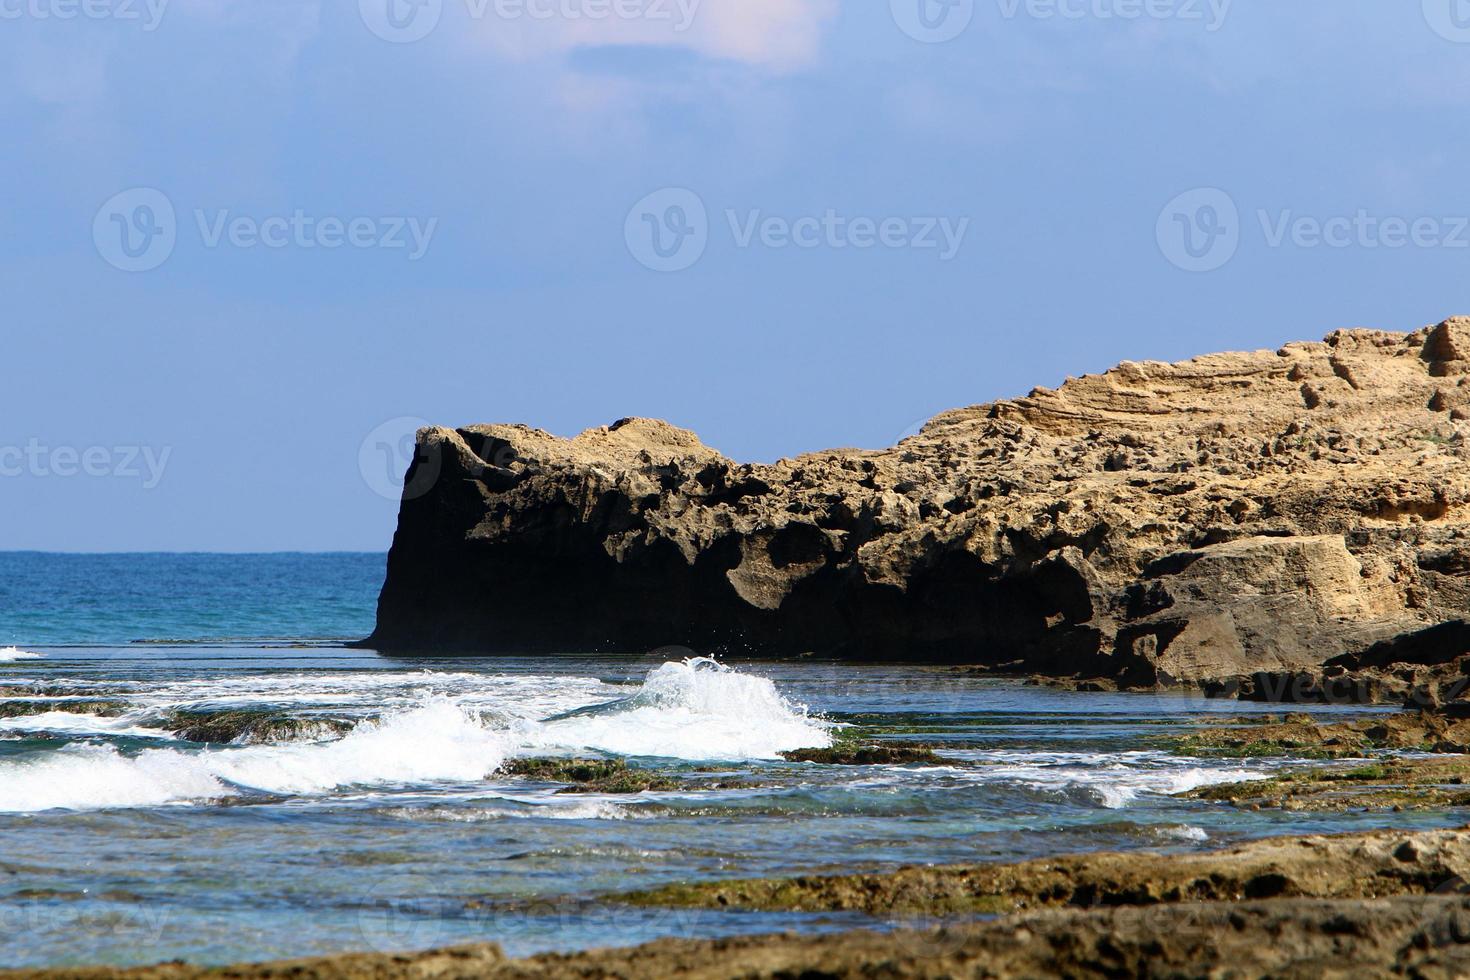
pixel 776 35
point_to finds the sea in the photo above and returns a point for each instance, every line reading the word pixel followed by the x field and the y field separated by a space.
pixel 194 765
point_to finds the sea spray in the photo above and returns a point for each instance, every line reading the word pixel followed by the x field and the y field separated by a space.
pixel 437 742
pixel 10 654
pixel 696 710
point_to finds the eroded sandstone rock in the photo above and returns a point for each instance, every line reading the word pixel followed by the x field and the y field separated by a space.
pixel 1229 522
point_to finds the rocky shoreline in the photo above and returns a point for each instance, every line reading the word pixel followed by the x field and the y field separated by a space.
pixel 1381 864
pixel 1363 905
pixel 1308 939
pixel 1286 525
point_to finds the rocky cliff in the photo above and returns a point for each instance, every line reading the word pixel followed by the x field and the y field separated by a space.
pixel 1226 519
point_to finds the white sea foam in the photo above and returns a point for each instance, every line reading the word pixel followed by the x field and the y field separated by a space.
pixel 1111 780
pixel 72 723
pixel 1182 832
pixel 697 710
pixel 87 776
pixel 438 742
pixel 553 810
pixel 8 654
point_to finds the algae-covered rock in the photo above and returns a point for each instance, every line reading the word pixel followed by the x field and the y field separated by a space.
pixel 81 706
pixel 1303 736
pixel 592 775
pixel 253 727
pixel 866 755
pixel 1348 866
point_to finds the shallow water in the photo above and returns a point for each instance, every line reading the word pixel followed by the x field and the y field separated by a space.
pixel 124 843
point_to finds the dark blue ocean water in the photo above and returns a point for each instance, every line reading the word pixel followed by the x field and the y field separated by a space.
pixel 383 817
pixel 65 600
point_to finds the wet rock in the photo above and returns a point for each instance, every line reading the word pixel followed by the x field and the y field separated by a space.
pixel 1290 938
pixel 253 727
pixel 1347 866
pixel 866 755
pixel 81 706
pixel 1394 785
pixel 1300 735
pixel 1363 905
pixel 592 775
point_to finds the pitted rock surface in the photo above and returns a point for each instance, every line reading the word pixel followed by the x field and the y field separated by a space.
pixel 1229 521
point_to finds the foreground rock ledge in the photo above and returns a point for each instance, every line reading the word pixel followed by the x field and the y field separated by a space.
pixel 1236 520
pixel 1365 905
pixel 1380 864
pixel 1422 937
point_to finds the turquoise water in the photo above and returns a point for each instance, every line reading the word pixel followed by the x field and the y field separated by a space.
pixel 384 820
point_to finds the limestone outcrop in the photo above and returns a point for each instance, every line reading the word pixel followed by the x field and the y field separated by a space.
pixel 1225 522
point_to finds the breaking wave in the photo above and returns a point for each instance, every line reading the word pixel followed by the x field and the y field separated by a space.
pixel 697 710
pixel 10 654
pixel 436 743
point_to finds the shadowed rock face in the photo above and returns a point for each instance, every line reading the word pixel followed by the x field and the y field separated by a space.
pixel 1225 518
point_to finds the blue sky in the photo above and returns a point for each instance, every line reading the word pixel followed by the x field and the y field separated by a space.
pixel 245 387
